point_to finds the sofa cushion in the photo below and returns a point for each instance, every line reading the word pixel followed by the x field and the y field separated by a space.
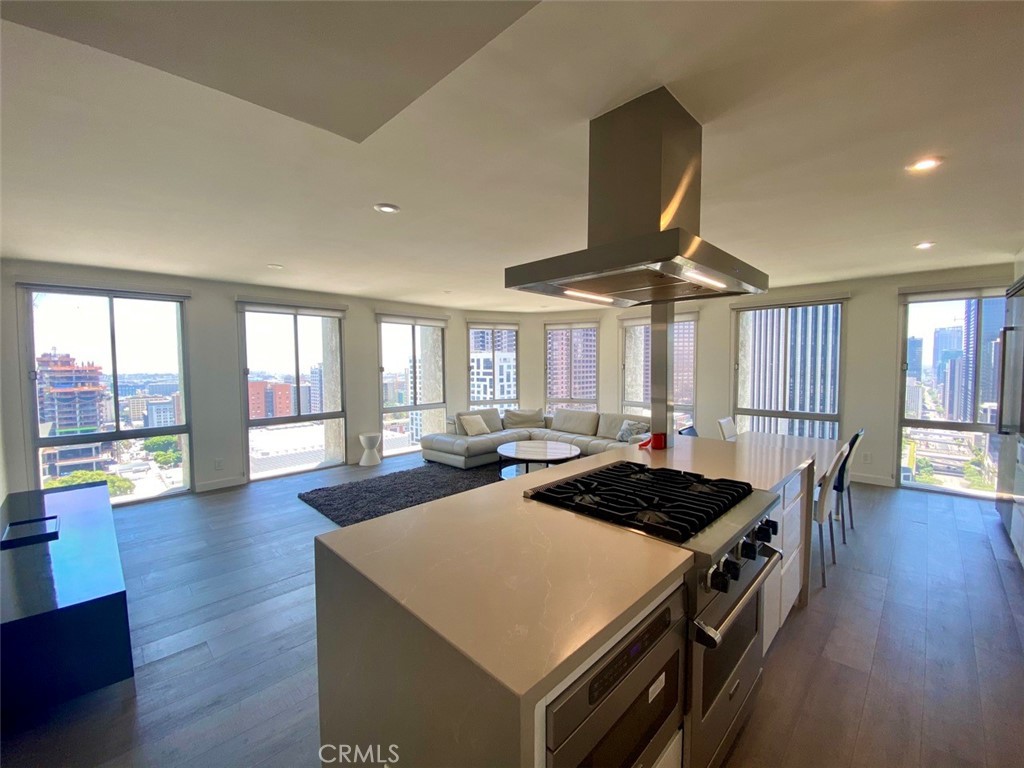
pixel 489 415
pixel 577 422
pixel 474 425
pixel 631 429
pixel 523 419
pixel 610 424
pixel 465 445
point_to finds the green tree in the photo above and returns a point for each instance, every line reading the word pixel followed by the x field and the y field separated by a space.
pixel 161 443
pixel 119 486
pixel 925 472
pixel 167 458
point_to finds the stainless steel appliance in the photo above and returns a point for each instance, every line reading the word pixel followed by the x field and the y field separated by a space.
pixel 724 523
pixel 1010 483
pixel 643 220
pixel 628 706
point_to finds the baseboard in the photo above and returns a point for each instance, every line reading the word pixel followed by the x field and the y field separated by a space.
pixel 886 482
pixel 217 485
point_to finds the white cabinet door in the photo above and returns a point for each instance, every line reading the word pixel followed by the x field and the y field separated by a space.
pixel 771 603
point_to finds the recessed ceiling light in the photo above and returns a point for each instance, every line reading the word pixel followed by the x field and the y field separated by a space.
pixel 588 296
pixel 275 266
pixel 386 208
pixel 925 164
pixel 924 245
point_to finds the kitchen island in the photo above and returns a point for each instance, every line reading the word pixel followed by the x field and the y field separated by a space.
pixel 444 629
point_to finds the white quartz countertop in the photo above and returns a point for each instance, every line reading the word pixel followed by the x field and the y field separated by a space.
pixel 526 590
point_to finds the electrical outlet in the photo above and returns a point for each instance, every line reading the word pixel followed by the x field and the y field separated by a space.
pixel 867 457
pixel 218 465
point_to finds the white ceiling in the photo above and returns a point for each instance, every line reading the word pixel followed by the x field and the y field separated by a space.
pixel 810 112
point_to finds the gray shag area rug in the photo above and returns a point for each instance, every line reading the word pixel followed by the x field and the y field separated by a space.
pixel 361 500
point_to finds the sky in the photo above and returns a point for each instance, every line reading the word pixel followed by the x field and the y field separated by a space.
pixel 924 317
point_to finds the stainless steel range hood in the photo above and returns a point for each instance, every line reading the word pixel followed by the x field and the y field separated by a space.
pixel 643 218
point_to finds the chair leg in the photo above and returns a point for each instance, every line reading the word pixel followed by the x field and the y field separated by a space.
pixel 849 499
pixel 842 515
pixel 821 548
pixel 832 539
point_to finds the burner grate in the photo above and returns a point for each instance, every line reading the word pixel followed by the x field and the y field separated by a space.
pixel 663 502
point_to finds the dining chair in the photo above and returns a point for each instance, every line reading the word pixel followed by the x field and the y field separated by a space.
pixel 688 432
pixel 823 506
pixel 727 427
pixel 843 482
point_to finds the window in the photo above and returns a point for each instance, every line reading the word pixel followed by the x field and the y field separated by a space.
pixel 293 377
pixel 571 366
pixel 412 381
pixel 636 369
pixel 950 368
pixel 110 400
pixel 493 366
pixel 788 370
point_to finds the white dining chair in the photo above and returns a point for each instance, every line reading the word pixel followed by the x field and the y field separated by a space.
pixel 727 427
pixel 823 495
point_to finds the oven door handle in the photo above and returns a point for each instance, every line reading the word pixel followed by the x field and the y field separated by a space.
pixel 710 637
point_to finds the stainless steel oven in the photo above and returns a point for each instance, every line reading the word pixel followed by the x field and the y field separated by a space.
pixel 725 665
pixel 625 710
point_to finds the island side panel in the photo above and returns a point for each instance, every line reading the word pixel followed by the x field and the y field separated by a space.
pixel 386 678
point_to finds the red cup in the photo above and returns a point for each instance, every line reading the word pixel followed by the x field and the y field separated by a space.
pixel 658 441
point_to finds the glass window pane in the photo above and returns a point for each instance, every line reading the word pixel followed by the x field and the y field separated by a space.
pixel 784 426
pixel 584 363
pixel 403 430
pixel 270 357
pixel 506 373
pixel 74 364
pixel 573 406
pixel 761 360
pixel 319 364
pixel 636 386
pixel 481 365
pixel 684 359
pixel 396 360
pixel 429 365
pixel 939 380
pixel 812 345
pixel 989 358
pixel 960 461
pixel 559 363
pixel 283 448
pixel 134 469
pixel 147 333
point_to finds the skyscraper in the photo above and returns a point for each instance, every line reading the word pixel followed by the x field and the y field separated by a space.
pixel 952 391
pixel 915 349
pixel 160 412
pixel 946 342
pixel 316 388
pixel 69 395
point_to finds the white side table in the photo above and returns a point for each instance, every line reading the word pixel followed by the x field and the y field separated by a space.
pixel 369 441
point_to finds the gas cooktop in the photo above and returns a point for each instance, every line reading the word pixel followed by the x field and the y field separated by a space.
pixel 680 507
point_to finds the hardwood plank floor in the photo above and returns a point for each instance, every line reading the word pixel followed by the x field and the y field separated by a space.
pixel 911 657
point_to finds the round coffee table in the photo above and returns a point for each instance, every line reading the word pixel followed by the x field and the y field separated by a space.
pixel 535 452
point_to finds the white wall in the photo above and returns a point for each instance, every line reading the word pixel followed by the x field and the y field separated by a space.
pixel 870 384
pixel 3 406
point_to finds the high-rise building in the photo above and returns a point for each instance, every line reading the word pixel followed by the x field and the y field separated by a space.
pixel 69 395
pixel 989 351
pixel 160 412
pixel 953 389
pixel 258 399
pixel 946 343
pixel 915 399
pixel 915 351
pixel 137 409
pixel 572 363
pixel 316 388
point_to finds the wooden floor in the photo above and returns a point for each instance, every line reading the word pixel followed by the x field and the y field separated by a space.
pixel 911 656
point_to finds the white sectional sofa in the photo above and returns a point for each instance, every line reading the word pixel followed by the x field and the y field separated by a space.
pixel 590 432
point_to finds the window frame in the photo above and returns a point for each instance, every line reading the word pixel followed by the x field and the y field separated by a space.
pixel 30 409
pixel 499 403
pixel 248 423
pixel 677 408
pixel 548 400
pixel 787 414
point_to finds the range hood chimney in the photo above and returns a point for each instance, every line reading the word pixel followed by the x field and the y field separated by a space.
pixel 643 243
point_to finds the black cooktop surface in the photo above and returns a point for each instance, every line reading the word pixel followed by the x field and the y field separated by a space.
pixel 663 502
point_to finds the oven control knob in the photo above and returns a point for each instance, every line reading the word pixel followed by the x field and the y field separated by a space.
pixel 731 568
pixel 773 526
pixel 748 549
pixel 763 533
pixel 719 581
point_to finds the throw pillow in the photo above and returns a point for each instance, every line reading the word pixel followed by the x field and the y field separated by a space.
pixel 474 425
pixel 524 419
pixel 631 429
